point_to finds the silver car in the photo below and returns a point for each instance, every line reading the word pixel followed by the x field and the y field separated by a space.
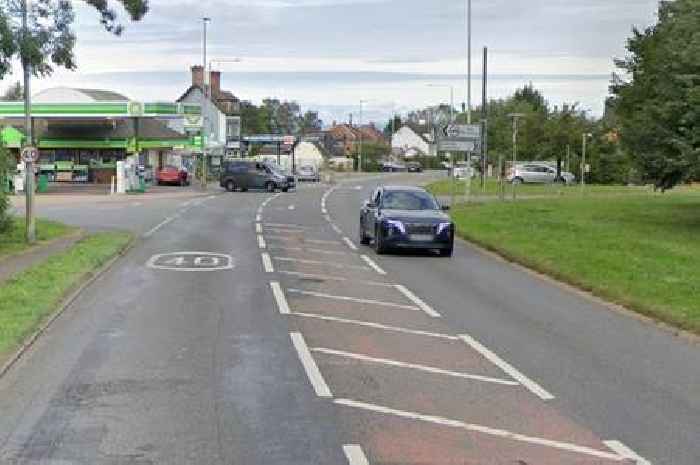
pixel 538 173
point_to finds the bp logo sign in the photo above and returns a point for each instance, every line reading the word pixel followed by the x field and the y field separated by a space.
pixel 136 109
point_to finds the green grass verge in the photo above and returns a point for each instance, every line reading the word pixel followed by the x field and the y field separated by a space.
pixel 13 241
pixel 641 251
pixel 29 297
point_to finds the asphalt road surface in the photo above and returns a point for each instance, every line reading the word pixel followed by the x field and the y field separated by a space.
pixel 252 328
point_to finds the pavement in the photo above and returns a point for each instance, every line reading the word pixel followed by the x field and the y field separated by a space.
pixel 252 328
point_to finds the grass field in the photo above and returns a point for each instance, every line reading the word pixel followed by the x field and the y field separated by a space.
pixel 29 297
pixel 13 241
pixel 640 250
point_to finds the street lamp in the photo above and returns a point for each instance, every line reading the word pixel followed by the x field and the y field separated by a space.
pixel 469 60
pixel 30 230
pixel 585 137
pixel 452 98
pixel 515 117
pixel 359 158
pixel 205 108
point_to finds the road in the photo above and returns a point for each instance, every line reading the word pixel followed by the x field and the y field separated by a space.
pixel 299 346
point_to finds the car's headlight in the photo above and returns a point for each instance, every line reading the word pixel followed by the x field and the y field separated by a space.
pixel 443 226
pixel 396 225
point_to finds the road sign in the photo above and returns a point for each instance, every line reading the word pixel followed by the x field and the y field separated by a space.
pixel 452 145
pixel 462 131
pixel 289 140
pixel 30 154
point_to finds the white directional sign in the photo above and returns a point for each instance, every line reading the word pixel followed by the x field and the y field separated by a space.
pixel 463 131
pixel 448 145
pixel 191 261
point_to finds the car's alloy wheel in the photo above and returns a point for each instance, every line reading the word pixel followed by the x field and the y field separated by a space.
pixel 379 246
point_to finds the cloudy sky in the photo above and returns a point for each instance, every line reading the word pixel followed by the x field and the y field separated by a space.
pixel 329 54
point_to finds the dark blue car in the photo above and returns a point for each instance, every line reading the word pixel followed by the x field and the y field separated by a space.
pixel 399 217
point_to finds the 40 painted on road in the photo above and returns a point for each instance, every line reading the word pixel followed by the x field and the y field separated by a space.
pixel 191 261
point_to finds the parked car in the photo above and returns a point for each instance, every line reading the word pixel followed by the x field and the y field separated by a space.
pixel 406 218
pixel 414 167
pixel 390 167
pixel 308 173
pixel 250 174
pixel 538 173
pixel 173 175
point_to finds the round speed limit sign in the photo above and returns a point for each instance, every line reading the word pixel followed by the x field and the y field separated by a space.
pixel 30 154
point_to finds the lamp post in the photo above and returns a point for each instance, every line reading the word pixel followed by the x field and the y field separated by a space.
pixel 359 157
pixel 585 137
pixel 469 60
pixel 205 107
pixel 515 117
pixel 30 231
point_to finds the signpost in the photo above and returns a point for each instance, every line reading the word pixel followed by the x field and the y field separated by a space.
pixel 460 138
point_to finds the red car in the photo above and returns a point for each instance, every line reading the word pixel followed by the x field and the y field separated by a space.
pixel 172 175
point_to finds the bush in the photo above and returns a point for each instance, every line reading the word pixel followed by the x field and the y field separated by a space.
pixel 5 218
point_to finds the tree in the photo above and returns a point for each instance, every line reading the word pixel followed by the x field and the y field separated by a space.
pixel 657 108
pixel 50 40
pixel 13 93
pixel 5 219
pixel 392 126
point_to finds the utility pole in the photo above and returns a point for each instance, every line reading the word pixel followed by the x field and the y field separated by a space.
pixel 359 158
pixel 205 108
pixel 28 130
pixel 484 119
pixel 515 117
pixel 469 61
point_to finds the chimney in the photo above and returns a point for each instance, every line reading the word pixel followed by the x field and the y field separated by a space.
pixel 198 76
pixel 215 83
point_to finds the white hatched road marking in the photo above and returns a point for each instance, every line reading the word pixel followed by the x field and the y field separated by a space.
pixel 353 299
pixel 281 300
pixel 261 242
pixel 318 262
pixel 416 300
pixel 369 324
pixel 310 249
pixel 325 277
pixel 285 230
pixel 336 228
pixel 267 263
pixel 625 452
pixel 297 239
pixel 565 446
pixel 258 228
pixel 529 384
pixel 349 243
pixel 309 364
pixel 372 264
pixel 285 225
pixel 355 455
pixel 414 366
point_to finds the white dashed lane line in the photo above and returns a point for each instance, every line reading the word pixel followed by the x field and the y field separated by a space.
pixel 309 364
pixel 355 455
pixel 267 263
pixel 349 243
pixel 281 300
pixel 373 265
pixel 416 300
pixel 261 242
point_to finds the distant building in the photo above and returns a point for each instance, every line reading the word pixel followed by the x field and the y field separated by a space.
pixel 341 139
pixel 412 141
pixel 221 115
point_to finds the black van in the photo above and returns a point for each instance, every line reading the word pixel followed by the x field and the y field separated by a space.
pixel 251 174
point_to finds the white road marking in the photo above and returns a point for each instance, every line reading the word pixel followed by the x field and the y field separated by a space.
pixel 327 218
pixel 369 324
pixel 324 211
pixel 336 228
pixel 200 261
pixel 349 243
pixel 261 242
pixel 325 277
pixel 565 446
pixel 286 225
pixel 211 197
pixel 160 225
pixel 312 371
pixel 258 228
pixel 267 263
pixel 281 300
pixel 625 452
pixel 372 264
pixel 312 250
pixel 355 455
pixel 529 384
pixel 413 366
pixel 318 262
pixel 353 299
pixel 291 207
pixel 285 230
pixel 296 239
pixel 418 301
pixel 258 217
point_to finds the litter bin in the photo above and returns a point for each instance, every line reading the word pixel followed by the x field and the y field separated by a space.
pixel 43 184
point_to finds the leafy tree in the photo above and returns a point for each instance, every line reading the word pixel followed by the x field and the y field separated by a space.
pixel 13 93
pixel 393 125
pixel 50 40
pixel 657 107
pixel 372 155
pixel 310 122
pixel 5 219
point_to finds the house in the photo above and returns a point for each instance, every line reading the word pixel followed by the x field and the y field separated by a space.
pixel 414 140
pixel 221 115
pixel 341 139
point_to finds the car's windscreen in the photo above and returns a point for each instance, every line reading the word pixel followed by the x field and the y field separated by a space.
pixel 407 200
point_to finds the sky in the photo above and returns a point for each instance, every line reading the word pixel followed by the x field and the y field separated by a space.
pixel 395 55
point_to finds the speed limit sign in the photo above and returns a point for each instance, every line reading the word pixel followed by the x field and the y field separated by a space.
pixel 30 154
